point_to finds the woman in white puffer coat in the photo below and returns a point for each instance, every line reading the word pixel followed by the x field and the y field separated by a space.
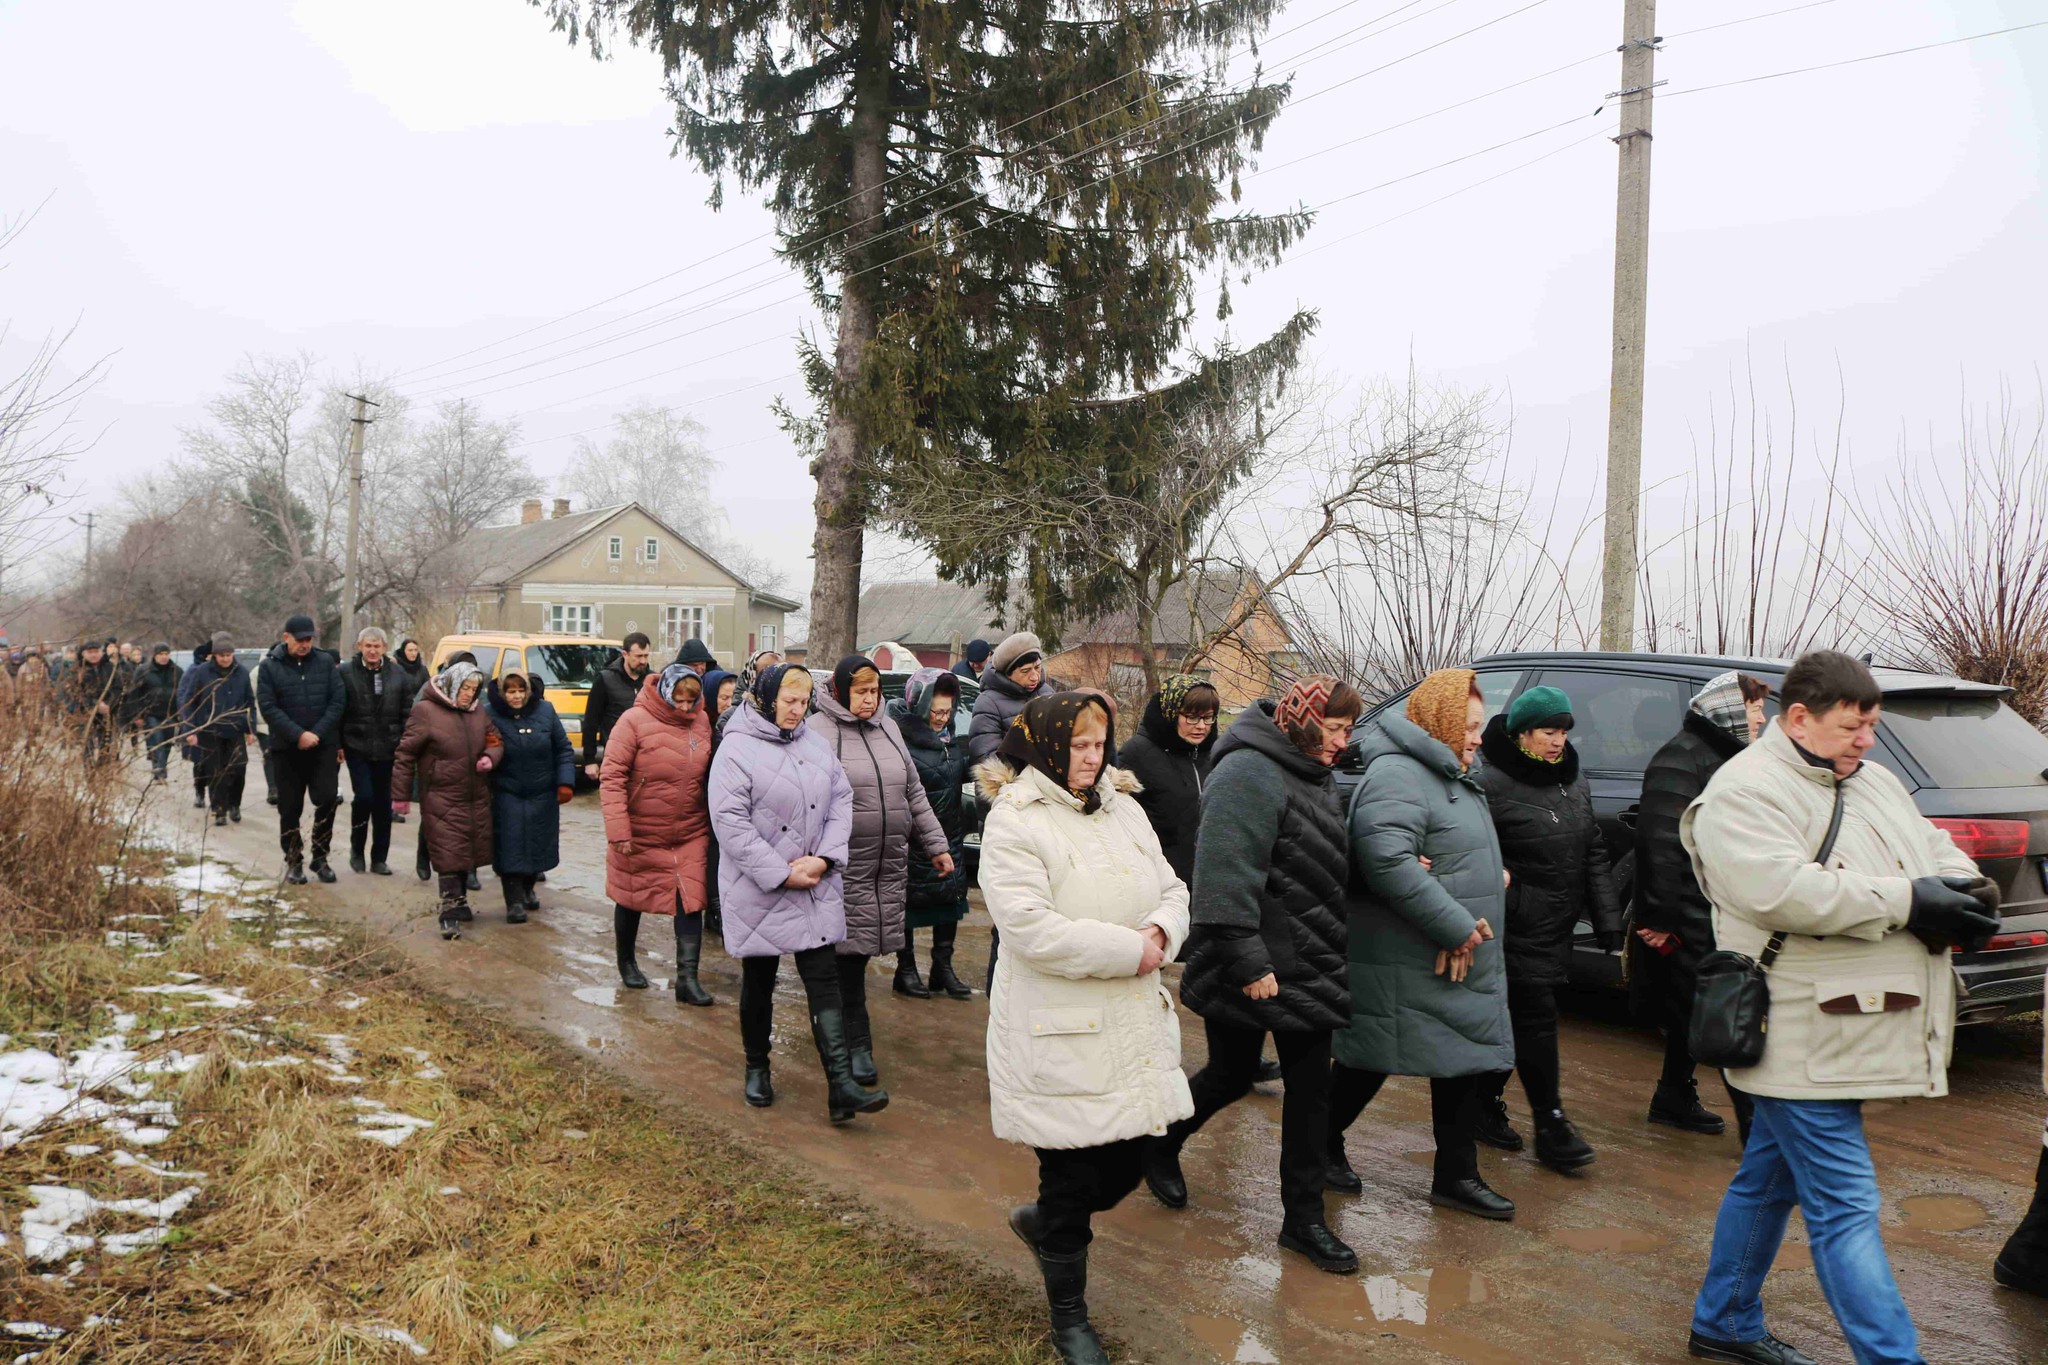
pixel 1083 1041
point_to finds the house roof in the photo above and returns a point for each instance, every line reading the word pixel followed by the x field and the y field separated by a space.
pixel 501 554
pixel 927 614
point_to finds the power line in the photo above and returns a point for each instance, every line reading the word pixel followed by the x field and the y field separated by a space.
pixel 1851 61
pixel 1749 19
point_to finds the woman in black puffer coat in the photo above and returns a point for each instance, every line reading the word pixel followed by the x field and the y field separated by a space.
pixel 1269 942
pixel 1170 754
pixel 937 900
pixel 1557 865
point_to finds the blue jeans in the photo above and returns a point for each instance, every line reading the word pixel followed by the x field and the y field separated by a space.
pixel 1811 1153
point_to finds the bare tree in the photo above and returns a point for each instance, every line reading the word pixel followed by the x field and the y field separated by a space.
pixel 656 458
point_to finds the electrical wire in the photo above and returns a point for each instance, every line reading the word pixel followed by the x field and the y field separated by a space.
pixel 1749 19
pixel 1850 61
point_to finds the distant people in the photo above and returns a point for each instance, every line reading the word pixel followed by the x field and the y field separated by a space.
pixel 1016 674
pixel 377 700
pixel 533 778
pixel 612 694
pixel 94 696
pixel 1818 863
pixel 1083 1049
pixel 156 704
pixel 1267 950
pixel 783 812
pixel 743 687
pixel 937 900
pixel 32 689
pixel 1550 843
pixel 973 660
pixel 414 661
pixel 451 745
pixel 721 692
pixel 218 724
pixel 654 790
pixel 1429 993
pixel 1674 923
pixel 301 696
pixel 201 652
pixel 1170 755
pixel 890 814
pixel 696 656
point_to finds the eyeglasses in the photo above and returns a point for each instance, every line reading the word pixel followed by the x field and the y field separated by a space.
pixel 1197 720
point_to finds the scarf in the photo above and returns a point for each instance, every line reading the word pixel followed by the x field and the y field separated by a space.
pixel 448 682
pixel 1042 737
pixel 502 706
pixel 923 687
pixel 1301 712
pixel 714 680
pixel 750 672
pixel 1438 707
pixel 767 685
pixel 1719 703
pixel 843 674
pixel 673 677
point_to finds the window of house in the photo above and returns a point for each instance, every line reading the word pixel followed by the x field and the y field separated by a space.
pixel 615 548
pixel 567 618
pixel 652 552
pixel 465 618
pixel 684 623
pixel 767 637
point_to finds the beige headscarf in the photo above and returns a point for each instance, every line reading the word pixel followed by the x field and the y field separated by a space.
pixel 1438 706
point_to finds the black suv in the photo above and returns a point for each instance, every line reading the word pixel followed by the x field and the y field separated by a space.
pixel 1974 766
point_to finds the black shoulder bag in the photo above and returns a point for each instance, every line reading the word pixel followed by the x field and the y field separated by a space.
pixel 1732 1005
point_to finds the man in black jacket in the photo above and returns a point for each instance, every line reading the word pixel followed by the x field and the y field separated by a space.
pixel 300 694
pixel 94 696
pixel 217 721
pixel 156 703
pixel 611 696
pixel 377 700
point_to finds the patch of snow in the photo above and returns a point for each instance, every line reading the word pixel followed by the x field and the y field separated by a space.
pixel 503 1339
pixel 398 1334
pixel 164 1172
pixel 141 1134
pixel 34 1331
pixel 129 938
pixel 449 1189
pixel 607 996
pixel 206 878
pixel 574 1134
pixel 215 997
pixel 84 1149
pixel 381 1123
pixel 353 1002
pixel 428 1071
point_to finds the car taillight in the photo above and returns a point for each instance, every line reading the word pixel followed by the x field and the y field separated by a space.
pixel 2034 939
pixel 1983 839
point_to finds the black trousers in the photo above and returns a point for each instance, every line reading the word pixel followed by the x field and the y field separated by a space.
pixel 369 807
pixel 1234 1054
pixel 1532 1013
pixel 304 774
pixel 1679 1066
pixel 757 995
pixel 222 769
pixel 853 998
pixel 1453 1115
pixel 1075 1183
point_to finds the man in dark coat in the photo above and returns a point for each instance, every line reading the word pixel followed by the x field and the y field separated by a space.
pixel 300 694
pixel 377 699
pixel 95 696
pixel 696 654
pixel 156 705
pixel 1543 814
pixel 217 720
pixel 974 661
pixel 1673 919
pixel 611 696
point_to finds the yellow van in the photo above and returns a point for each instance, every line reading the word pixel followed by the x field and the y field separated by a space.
pixel 566 664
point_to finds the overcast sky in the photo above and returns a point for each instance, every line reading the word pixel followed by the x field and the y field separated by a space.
pixel 389 183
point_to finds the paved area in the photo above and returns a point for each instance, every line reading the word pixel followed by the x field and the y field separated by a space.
pixel 1596 1268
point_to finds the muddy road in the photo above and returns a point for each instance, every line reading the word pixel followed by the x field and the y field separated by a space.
pixel 1596 1268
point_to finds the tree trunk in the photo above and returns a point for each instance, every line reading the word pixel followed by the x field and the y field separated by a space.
pixel 1146 654
pixel 841 500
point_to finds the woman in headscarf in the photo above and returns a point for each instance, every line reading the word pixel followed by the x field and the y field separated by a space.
pixel 1267 951
pixel 1170 755
pixel 450 746
pixel 414 663
pixel 1428 987
pixel 1083 1046
pixel 657 822
pixel 535 776
pixel 750 674
pixel 1557 870
pixel 721 691
pixel 889 811
pixel 938 900
pixel 783 812
pixel 1673 921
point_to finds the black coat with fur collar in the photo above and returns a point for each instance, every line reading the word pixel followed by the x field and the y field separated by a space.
pixel 1551 845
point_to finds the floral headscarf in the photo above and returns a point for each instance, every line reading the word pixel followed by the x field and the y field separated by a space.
pixel 448 682
pixel 1042 737
pixel 673 677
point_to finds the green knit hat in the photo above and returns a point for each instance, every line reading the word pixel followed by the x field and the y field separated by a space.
pixel 1540 708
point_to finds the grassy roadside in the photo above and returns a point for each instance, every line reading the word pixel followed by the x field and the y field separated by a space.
pixel 296 1154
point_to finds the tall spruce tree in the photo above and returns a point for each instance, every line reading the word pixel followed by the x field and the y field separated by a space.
pixel 1005 205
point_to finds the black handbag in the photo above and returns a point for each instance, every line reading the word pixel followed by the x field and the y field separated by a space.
pixel 1731 1007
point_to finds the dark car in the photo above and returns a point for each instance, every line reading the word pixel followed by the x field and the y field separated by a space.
pixel 1974 765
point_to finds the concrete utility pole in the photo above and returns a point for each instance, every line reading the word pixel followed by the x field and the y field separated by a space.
pixel 1631 304
pixel 357 423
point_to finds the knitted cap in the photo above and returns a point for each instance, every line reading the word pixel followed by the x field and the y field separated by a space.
pixel 1540 708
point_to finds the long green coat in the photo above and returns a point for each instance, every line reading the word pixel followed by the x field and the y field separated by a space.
pixel 1406 1020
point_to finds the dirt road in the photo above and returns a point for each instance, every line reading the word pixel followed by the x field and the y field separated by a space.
pixel 1597 1268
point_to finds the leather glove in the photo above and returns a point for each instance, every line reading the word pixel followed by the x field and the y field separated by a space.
pixel 1610 940
pixel 564 795
pixel 1949 912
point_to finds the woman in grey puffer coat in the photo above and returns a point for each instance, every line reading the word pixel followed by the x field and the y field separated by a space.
pixel 889 807
pixel 1428 983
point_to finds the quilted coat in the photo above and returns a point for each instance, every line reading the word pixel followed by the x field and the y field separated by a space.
pixel 532 763
pixel 942 765
pixel 890 811
pixel 1171 772
pixel 1413 799
pixel 374 707
pixel 441 744
pixel 654 788
pixel 300 694
pixel 1270 868
pixel 998 705
pixel 1082 1051
pixel 1551 845
pixel 777 796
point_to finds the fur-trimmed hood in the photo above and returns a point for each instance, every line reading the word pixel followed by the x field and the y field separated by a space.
pixel 992 775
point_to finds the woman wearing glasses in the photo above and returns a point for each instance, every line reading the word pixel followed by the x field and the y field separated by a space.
pixel 1170 755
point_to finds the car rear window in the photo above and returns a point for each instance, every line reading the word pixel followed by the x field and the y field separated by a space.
pixel 1623 719
pixel 1966 742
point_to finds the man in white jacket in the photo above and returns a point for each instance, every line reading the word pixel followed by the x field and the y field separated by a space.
pixel 1862 998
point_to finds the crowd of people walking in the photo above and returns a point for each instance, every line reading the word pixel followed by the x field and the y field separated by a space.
pixel 1418 927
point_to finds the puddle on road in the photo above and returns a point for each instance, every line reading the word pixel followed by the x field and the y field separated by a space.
pixel 1418 1295
pixel 1943 1212
pixel 1609 1239
pixel 607 996
pixel 1232 1340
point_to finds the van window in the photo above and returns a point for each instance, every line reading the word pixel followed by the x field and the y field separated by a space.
pixel 486 659
pixel 559 666
pixel 1623 719
pixel 1966 742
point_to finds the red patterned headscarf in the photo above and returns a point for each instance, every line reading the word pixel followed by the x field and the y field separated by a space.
pixel 1300 713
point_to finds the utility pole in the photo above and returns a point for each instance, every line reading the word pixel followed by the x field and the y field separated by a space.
pixel 358 422
pixel 1631 305
pixel 86 521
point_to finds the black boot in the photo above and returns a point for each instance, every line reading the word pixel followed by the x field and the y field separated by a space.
pixel 860 1046
pixel 943 980
pixel 1768 1351
pixel 1472 1195
pixel 1678 1106
pixel 294 858
pixel 1493 1127
pixel 1266 1072
pixel 473 882
pixel 625 935
pixel 907 981
pixel 1320 1245
pixel 356 862
pixel 1163 1174
pixel 2023 1263
pixel 843 1098
pixel 515 899
pixel 322 870
pixel 452 908
pixel 1066 1293
pixel 1337 1172
pixel 421 866
pixel 760 1089
pixel 689 953
pixel 1558 1144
